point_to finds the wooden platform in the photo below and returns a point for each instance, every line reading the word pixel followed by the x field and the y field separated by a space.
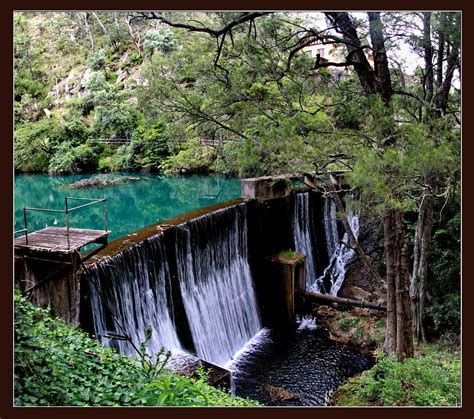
pixel 54 239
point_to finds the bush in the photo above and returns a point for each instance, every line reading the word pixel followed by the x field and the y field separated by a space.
pixel 444 306
pixel 33 144
pixel 162 40
pixel 433 378
pixel 58 365
pixel 192 158
pixel 97 60
pixel 69 159
pixel 148 149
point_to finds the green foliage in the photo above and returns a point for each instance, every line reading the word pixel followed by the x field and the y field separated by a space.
pixel 70 159
pixel 444 312
pixel 148 149
pixel 192 158
pixel 287 147
pixel 347 323
pixel 33 144
pixel 431 379
pixel 288 254
pixel 58 365
pixel 97 61
pixel 162 40
pixel 444 305
pixel 388 176
pixel 350 110
pixel 114 115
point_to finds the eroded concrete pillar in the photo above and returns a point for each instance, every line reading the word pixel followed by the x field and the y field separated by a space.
pixel 286 274
pixel 265 187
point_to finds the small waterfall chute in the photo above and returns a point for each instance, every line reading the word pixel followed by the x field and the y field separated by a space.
pixel 339 254
pixel 303 235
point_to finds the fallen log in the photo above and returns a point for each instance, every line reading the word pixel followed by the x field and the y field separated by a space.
pixel 333 299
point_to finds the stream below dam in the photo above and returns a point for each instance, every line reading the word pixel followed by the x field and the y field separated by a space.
pixel 299 366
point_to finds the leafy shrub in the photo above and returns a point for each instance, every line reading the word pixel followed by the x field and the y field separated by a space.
pixel 347 323
pixel 24 86
pixel 148 148
pixel 33 144
pixel 58 365
pixel 431 379
pixel 192 158
pixel 162 40
pixel 97 60
pixel 69 159
pixel 124 159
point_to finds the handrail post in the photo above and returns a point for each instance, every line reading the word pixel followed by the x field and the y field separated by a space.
pixel 26 225
pixel 67 224
pixel 105 214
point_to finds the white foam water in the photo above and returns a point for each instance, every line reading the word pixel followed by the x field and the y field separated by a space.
pixel 216 283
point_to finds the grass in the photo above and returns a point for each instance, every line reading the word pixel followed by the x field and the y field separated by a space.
pixel 289 255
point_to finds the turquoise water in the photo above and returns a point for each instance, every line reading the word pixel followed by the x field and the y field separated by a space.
pixel 131 206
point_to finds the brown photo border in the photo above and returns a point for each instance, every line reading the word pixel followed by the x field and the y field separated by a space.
pixel 7 410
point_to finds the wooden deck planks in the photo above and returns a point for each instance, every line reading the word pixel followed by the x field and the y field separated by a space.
pixel 55 239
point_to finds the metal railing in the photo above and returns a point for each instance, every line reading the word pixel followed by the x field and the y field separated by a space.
pixel 67 210
pixel 114 141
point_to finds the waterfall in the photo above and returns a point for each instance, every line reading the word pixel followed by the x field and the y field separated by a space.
pixel 215 288
pixel 216 283
pixel 339 253
pixel 303 235
pixel 131 288
pixel 305 242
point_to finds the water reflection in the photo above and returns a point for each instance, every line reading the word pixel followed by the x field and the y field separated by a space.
pixel 131 205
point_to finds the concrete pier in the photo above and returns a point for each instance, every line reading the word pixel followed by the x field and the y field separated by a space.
pixel 265 187
pixel 286 274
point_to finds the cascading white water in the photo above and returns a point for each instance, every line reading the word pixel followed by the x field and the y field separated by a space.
pixel 214 279
pixel 303 235
pixel 331 232
pixel 304 238
pixel 339 254
pixel 216 283
pixel 130 287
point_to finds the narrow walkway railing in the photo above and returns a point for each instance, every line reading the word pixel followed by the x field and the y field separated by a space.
pixel 114 141
pixel 67 210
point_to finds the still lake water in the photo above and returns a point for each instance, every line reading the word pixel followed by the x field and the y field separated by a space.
pixel 130 205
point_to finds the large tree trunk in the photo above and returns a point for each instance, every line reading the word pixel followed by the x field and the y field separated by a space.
pixel 345 26
pixel 383 80
pixel 399 338
pixel 420 265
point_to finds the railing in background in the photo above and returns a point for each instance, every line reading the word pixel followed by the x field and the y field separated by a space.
pixel 114 141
